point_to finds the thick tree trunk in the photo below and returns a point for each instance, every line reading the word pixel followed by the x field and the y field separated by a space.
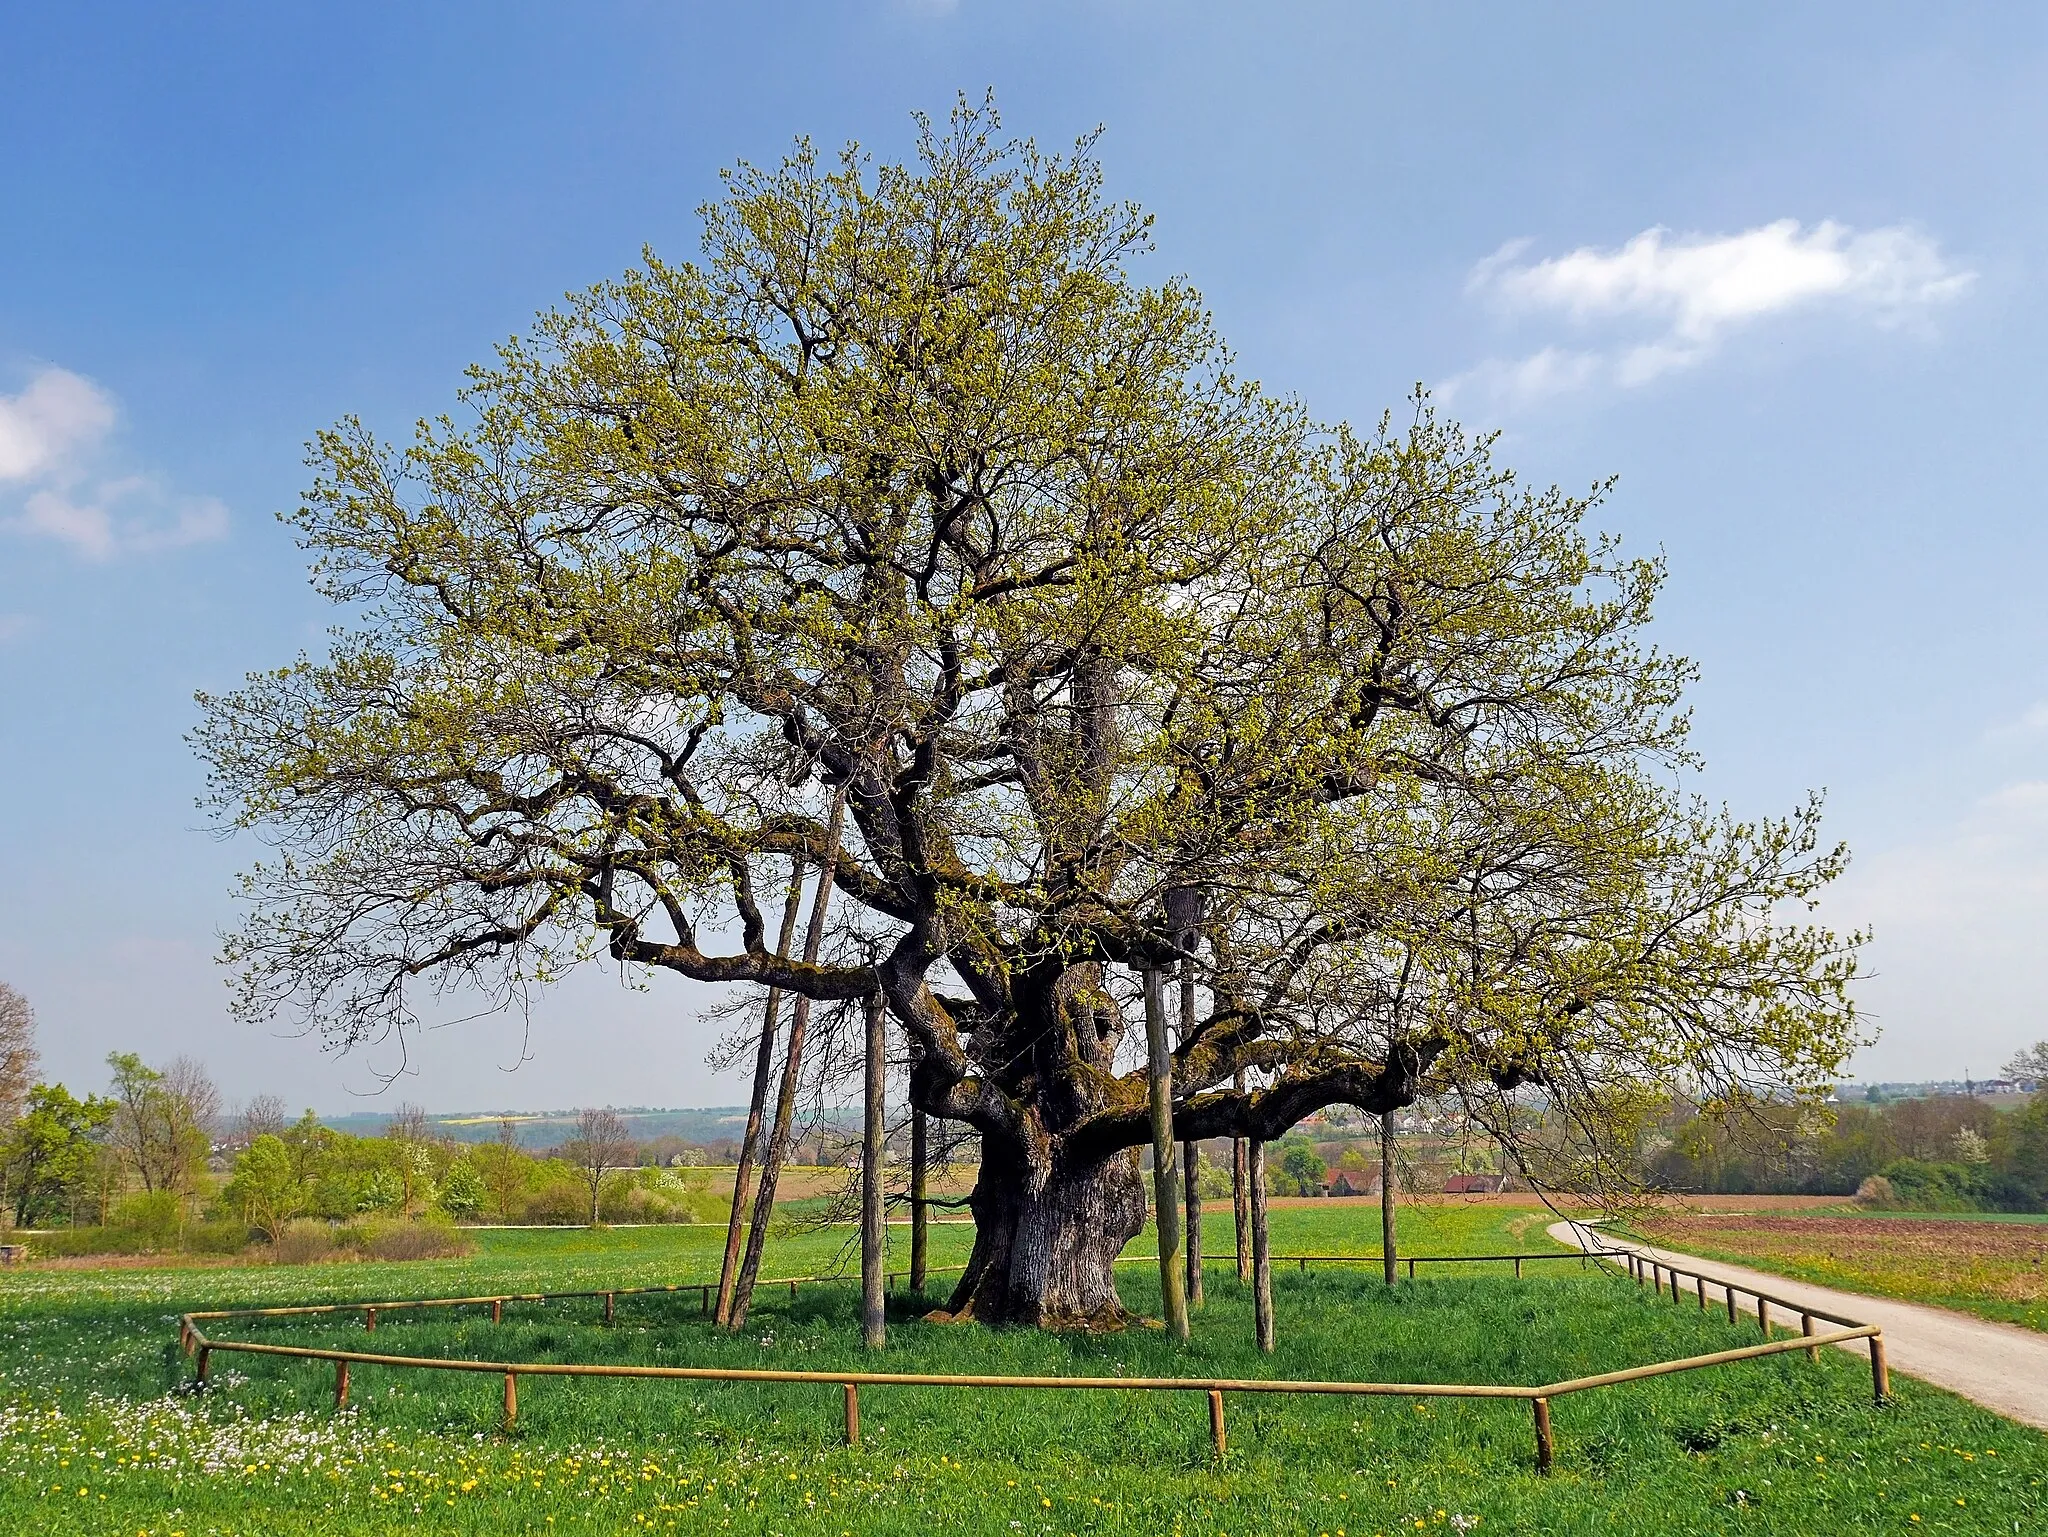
pixel 1044 1248
pixel 764 1069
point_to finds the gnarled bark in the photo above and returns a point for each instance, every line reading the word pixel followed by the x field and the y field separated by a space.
pixel 1046 1240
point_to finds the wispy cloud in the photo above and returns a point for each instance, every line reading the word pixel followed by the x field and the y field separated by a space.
pixel 53 437
pixel 1662 302
pixel 12 625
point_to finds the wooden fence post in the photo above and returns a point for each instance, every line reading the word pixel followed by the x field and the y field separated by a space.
pixel 370 1319
pixel 1543 1448
pixel 608 1307
pixel 1763 1317
pixel 341 1384
pixel 852 1414
pixel 1731 1301
pixel 1880 1374
pixel 511 1399
pixel 205 1364
pixel 1216 1421
pixel 1806 1327
pixel 498 1312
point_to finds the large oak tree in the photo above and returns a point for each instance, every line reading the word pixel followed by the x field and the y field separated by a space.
pixel 912 487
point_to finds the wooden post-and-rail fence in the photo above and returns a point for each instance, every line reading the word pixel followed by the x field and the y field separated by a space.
pixel 1643 1268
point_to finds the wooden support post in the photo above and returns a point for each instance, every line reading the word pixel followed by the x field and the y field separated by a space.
pixel 1173 1294
pixel 852 1414
pixel 370 1319
pixel 1216 1421
pixel 704 1299
pixel 498 1311
pixel 1703 1293
pixel 1262 1252
pixel 1241 1195
pixel 1674 1286
pixel 920 1200
pixel 874 1328
pixel 1389 1236
pixel 608 1307
pixel 1411 1270
pixel 1518 1267
pixel 1731 1303
pixel 1763 1317
pixel 792 1291
pixel 341 1384
pixel 1880 1374
pixel 1543 1447
pixel 511 1399
pixel 205 1364
pixel 1304 1264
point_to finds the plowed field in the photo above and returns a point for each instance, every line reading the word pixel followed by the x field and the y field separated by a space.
pixel 1997 1269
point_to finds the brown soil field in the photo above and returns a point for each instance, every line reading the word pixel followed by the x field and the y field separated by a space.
pixel 1524 1198
pixel 1997 1269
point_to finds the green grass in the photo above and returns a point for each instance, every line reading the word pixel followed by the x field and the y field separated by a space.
pixel 88 1400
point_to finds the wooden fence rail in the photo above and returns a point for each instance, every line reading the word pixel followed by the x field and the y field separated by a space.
pixel 1641 1267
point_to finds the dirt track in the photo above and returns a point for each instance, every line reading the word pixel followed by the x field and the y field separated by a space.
pixel 2001 1366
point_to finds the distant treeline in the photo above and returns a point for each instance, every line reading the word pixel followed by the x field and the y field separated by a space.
pixel 1942 1153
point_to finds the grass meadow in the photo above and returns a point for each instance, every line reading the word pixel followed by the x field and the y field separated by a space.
pixel 98 1437
pixel 1995 1266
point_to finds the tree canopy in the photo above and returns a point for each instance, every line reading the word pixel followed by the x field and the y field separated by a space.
pixel 909 486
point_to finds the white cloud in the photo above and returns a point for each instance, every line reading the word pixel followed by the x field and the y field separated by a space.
pixel 1665 302
pixel 58 415
pixel 51 437
pixel 2031 722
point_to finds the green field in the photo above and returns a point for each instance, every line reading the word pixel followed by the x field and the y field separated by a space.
pixel 95 1439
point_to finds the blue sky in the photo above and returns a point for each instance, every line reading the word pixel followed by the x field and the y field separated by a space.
pixel 1784 270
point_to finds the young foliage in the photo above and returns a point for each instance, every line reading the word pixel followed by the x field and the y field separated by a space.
pixel 911 489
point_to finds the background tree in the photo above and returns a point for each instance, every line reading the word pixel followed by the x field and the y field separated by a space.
pixel 264 1115
pixel 910 497
pixel 265 1188
pixel 410 1135
pixel 507 1171
pixel 600 1146
pixel 162 1121
pixel 48 1149
pixel 2029 1062
pixel 18 1056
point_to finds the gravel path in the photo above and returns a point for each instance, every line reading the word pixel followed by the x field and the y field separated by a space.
pixel 2001 1366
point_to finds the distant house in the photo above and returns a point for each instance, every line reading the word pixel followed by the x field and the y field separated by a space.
pixel 1356 1182
pixel 1475 1184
